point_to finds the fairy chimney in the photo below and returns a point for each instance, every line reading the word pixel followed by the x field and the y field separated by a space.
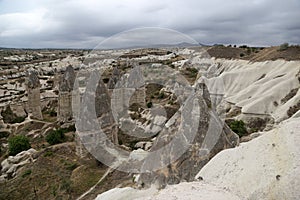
pixel 65 95
pixel 33 90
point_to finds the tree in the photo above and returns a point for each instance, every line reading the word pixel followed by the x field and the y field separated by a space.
pixel 17 144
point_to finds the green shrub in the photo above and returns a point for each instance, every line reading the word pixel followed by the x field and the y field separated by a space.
pixel 149 104
pixel 238 127
pixel 18 144
pixel 243 46
pixel 284 47
pixel 52 113
pixel 56 137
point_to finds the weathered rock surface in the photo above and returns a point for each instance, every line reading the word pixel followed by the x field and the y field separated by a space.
pixel 12 164
pixel 267 167
pixel 265 88
pixel 33 91
pixel 182 191
pixel 65 95
pixel 191 137
pixel 115 77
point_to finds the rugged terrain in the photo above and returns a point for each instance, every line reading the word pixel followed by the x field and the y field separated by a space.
pixel 256 86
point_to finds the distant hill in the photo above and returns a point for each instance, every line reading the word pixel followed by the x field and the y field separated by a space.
pixel 255 53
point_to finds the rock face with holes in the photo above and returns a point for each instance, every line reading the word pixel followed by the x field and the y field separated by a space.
pixel 33 90
pixel 189 140
pixel 66 84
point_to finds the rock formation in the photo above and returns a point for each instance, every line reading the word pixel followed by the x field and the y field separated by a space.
pixel 130 89
pixel 77 96
pixel 12 164
pixel 33 91
pixel 65 95
pixel 198 132
pixel 115 77
pixel 95 124
pixel 264 168
pixel 104 113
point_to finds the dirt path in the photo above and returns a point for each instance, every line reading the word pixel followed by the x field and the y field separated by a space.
pixel 92 188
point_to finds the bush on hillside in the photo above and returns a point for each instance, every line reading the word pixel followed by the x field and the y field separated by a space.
pixel 284 47
pixel 17 144
pixel 56 137
pixel 238 127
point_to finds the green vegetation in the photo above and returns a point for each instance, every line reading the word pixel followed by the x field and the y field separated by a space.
pixel 56 136
pixel 191 72
pixel 284 47
pixel 161 95
pixel 48 154
pixel 52 113
pixel 18 144
pixel 66 185
pixel 4 134
pixel 243 46
pixel 18 120
pixel 26 173
pixel 149 104
pixel 238 127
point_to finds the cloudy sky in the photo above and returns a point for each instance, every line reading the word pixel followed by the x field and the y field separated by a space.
pixel 85 23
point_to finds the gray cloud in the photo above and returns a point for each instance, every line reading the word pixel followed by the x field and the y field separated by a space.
pixel 83 24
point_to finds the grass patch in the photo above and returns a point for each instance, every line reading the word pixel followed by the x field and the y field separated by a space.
pixel 26 173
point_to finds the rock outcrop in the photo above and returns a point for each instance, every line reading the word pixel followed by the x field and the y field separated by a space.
pixel 261 88
pixel 115 77
pixel 65 95
pixel 265 168
pixel 12 164
pixel 104 112
pixel 190 139
pixel 33 91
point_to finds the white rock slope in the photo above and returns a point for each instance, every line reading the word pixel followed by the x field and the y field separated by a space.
pixel 259 87
pixel 182 191
pixel 267 167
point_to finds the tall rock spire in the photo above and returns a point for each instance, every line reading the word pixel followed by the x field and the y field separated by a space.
pixel 66 84
pixel 33 90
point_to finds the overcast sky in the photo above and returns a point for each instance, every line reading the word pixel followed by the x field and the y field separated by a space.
pixel 85 23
